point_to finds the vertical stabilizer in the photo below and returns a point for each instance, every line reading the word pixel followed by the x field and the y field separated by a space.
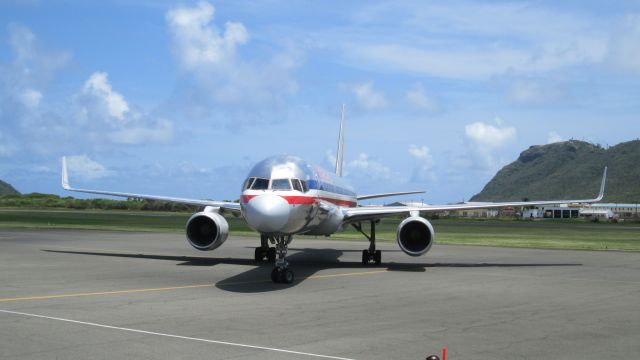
pixel 339 156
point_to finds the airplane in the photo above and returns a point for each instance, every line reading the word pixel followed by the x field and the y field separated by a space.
pixel 284 195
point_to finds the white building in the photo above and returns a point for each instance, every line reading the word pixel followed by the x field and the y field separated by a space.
pixel 624 211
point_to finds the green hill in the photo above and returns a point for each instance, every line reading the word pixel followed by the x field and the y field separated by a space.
pixel 569 169
pixel 6 189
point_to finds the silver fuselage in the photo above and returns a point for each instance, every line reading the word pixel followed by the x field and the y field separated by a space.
pixel 287 195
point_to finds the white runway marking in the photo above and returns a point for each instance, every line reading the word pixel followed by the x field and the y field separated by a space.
pixel 175 336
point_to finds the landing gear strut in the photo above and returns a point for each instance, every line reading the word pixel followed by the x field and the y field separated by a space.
pixel 264 252
pixel 370 254
pixel 281 272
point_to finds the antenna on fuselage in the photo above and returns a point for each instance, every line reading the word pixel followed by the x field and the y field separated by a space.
pixel 339 156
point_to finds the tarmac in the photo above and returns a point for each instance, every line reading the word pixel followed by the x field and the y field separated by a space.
pixel 113 295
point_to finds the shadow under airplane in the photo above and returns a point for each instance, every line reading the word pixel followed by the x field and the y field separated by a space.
pixel 308 262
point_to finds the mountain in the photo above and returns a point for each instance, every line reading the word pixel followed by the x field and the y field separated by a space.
pixel 6 189
pixel 568 170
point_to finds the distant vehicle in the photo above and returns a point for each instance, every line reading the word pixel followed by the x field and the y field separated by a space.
pixel 284 195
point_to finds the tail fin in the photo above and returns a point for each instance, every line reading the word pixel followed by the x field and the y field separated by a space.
pixel 340 155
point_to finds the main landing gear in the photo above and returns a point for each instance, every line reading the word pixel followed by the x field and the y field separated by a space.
pixel 281 273
pixel 371 254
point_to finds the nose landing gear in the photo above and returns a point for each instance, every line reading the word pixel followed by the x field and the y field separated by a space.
pixel 281 273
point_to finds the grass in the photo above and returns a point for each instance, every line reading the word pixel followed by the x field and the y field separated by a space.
pixel 508 233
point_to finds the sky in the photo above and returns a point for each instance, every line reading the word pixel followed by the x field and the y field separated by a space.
pixel 182 98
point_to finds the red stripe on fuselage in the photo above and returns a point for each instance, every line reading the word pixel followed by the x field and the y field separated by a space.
pixel 245 198
pixel 304 200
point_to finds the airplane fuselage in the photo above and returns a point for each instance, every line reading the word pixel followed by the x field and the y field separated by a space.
pixel 287 195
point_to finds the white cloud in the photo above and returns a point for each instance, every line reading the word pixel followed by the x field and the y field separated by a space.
pixel 424 163
pixel 369 167
pixel 421 153
pixel 31 98
pixel 197 40
pixel 554 138
pixel 107 115
pixel 419 99
pixel 330 157
pixel 22 41
pixel 367 97
pixel 528 91
pixel 29 127
pixel 85 168
pixel 107 101
pixel 489 136
pixel 158 132
pixel 468 40
pixel 624 49
pixel 484 141
pixel 216 78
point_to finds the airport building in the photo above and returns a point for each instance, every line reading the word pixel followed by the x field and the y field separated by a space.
pixel 571 211
pixel 562 211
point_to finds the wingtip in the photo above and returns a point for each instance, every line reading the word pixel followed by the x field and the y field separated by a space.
pixel 602 184
pixel 65 175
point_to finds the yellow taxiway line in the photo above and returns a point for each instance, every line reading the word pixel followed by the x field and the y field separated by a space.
pixel 170 288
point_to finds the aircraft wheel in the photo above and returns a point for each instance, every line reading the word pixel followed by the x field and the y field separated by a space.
pixel 365 257
pixel 258 255
pixel 377 257
pixel 276 274
pixel 286 276
pixel 271 254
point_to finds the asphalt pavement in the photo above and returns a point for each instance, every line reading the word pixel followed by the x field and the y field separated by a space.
pixel 112 295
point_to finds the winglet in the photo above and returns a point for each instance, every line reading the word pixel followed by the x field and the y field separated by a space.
pixel 604 180
pixel 339 156
pixel 65 175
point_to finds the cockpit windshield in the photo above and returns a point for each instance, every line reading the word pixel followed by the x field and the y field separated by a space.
pixel 248 182
pixel 256 183
pixel 260 184
pixel 280 184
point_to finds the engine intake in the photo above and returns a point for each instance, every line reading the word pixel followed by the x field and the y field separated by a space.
pixel 415 235
pixel 207 230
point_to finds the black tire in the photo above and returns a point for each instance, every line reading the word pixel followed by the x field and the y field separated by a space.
pixel 377 257
pixel 276 274
pixel 271 254
pixel 365 257
pixel 286 276
pixel 258 255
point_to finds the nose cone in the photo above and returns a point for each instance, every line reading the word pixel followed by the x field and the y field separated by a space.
pixel 267 213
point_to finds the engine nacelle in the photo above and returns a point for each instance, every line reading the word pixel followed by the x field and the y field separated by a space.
pixel 415 235
pixel 207 230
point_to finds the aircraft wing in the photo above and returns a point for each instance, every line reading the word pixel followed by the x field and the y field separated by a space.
pixel 230 206
pixel 373 196
pixel 352 215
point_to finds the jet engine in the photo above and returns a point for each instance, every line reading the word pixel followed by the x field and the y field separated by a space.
pixel 415 235
pixel 207 230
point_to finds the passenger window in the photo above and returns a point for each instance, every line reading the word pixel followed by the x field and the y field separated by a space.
pixel 296 184
pixel 280 184
pixel 260 184
pixel 247 184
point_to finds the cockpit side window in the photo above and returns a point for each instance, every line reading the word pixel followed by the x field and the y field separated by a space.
pixel 280 184
pixel 248 182
pixel 260 184
pixel 296 184
pixel 305 185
